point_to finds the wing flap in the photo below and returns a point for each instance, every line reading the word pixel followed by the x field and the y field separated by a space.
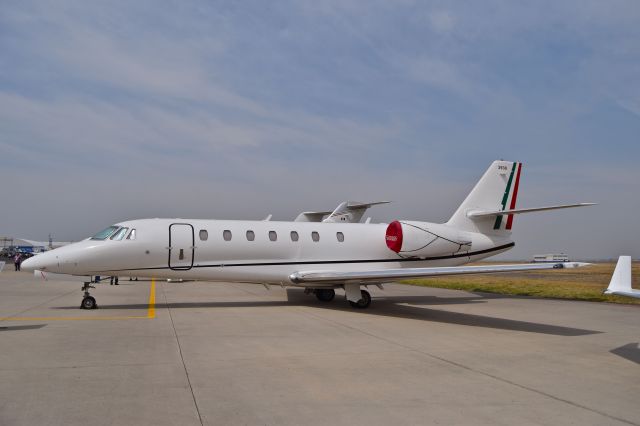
pixel 386 275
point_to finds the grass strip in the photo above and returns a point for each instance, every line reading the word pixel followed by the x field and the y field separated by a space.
pixel 585 284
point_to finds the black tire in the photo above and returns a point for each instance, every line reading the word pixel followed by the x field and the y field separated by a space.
pixel 325 294
pixel 364 302
pixel 89 303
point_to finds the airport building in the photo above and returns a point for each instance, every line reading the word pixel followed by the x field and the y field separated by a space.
pixel 552 257
pixel 10 245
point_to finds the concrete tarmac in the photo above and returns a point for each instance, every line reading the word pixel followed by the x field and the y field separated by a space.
pixel 235 354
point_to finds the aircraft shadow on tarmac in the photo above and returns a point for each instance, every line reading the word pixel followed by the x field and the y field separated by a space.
pixel 22 327
pixel 408 307
pixel 630 352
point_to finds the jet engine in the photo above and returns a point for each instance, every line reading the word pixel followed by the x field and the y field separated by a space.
pixel 422 239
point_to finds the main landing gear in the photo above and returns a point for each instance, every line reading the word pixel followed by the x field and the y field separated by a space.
pixel 325 294
pixel 364 302
pixel 328 294
pixel 88 301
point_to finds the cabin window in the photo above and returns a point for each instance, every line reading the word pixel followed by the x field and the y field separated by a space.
pixel 120 234
pixel 273 236
pixel 105 233
pixel 294 236
pixel 132 234
pixel 204 235
pixel 251 236
pixel 226 235
pixel 340 236
pixel 315 236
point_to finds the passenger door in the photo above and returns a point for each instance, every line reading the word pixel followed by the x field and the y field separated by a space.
pixel 181 246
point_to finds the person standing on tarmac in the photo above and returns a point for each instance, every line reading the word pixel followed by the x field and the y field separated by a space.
pixel 17 259
pixel 112 279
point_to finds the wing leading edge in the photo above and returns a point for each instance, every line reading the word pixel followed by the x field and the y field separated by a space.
pixel 386 275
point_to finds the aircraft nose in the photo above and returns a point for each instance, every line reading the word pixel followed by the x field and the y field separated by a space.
pixel 39 261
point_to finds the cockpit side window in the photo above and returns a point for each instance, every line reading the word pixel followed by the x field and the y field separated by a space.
pixel 120 234
pixel 105 233
pixel 132 234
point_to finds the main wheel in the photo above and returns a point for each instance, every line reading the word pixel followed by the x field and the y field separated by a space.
pixel 325 294
pixel 364 302
pixel 88 303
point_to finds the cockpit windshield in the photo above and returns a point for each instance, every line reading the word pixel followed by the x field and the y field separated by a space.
pixel 120 234
pixel 105 233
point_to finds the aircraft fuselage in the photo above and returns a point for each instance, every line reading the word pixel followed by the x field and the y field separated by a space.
pixel 250 251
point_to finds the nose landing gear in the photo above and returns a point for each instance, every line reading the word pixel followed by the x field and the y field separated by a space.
pixel 88 301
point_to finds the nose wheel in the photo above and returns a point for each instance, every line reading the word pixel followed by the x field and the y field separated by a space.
pixel 88 301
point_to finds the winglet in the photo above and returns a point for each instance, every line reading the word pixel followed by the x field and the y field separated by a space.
pixel 621 280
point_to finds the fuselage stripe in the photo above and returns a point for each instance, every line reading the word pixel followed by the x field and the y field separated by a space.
pixel 329 262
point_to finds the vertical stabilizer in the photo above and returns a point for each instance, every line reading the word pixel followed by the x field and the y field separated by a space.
pixel 496 190
pixel 621 280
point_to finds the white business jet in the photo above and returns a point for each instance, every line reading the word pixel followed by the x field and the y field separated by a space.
pixel 318 256
pixel 620 283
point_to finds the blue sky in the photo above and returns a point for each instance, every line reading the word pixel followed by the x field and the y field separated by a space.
pixel 118 110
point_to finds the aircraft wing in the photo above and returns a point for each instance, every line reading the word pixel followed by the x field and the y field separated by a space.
pixel 311 216
pixel 387 275
pixel 346 212
pixel 351 211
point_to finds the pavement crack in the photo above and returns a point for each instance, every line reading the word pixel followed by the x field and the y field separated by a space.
pixel 186 372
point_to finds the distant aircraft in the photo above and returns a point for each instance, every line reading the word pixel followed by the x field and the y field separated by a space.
pixel 318 256
pixel 620 283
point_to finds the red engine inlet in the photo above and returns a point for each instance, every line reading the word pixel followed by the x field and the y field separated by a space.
pixel 394 236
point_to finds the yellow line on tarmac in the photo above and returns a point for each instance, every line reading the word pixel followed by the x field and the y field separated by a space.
pixel 151 312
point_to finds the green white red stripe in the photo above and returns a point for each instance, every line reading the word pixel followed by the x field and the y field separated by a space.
pixel 510 196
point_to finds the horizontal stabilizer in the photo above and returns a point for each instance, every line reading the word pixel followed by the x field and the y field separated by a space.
pixel 387 275
pixel 621 280
pixel 484 213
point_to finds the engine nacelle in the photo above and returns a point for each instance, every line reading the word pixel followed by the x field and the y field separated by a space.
pixel 422 239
